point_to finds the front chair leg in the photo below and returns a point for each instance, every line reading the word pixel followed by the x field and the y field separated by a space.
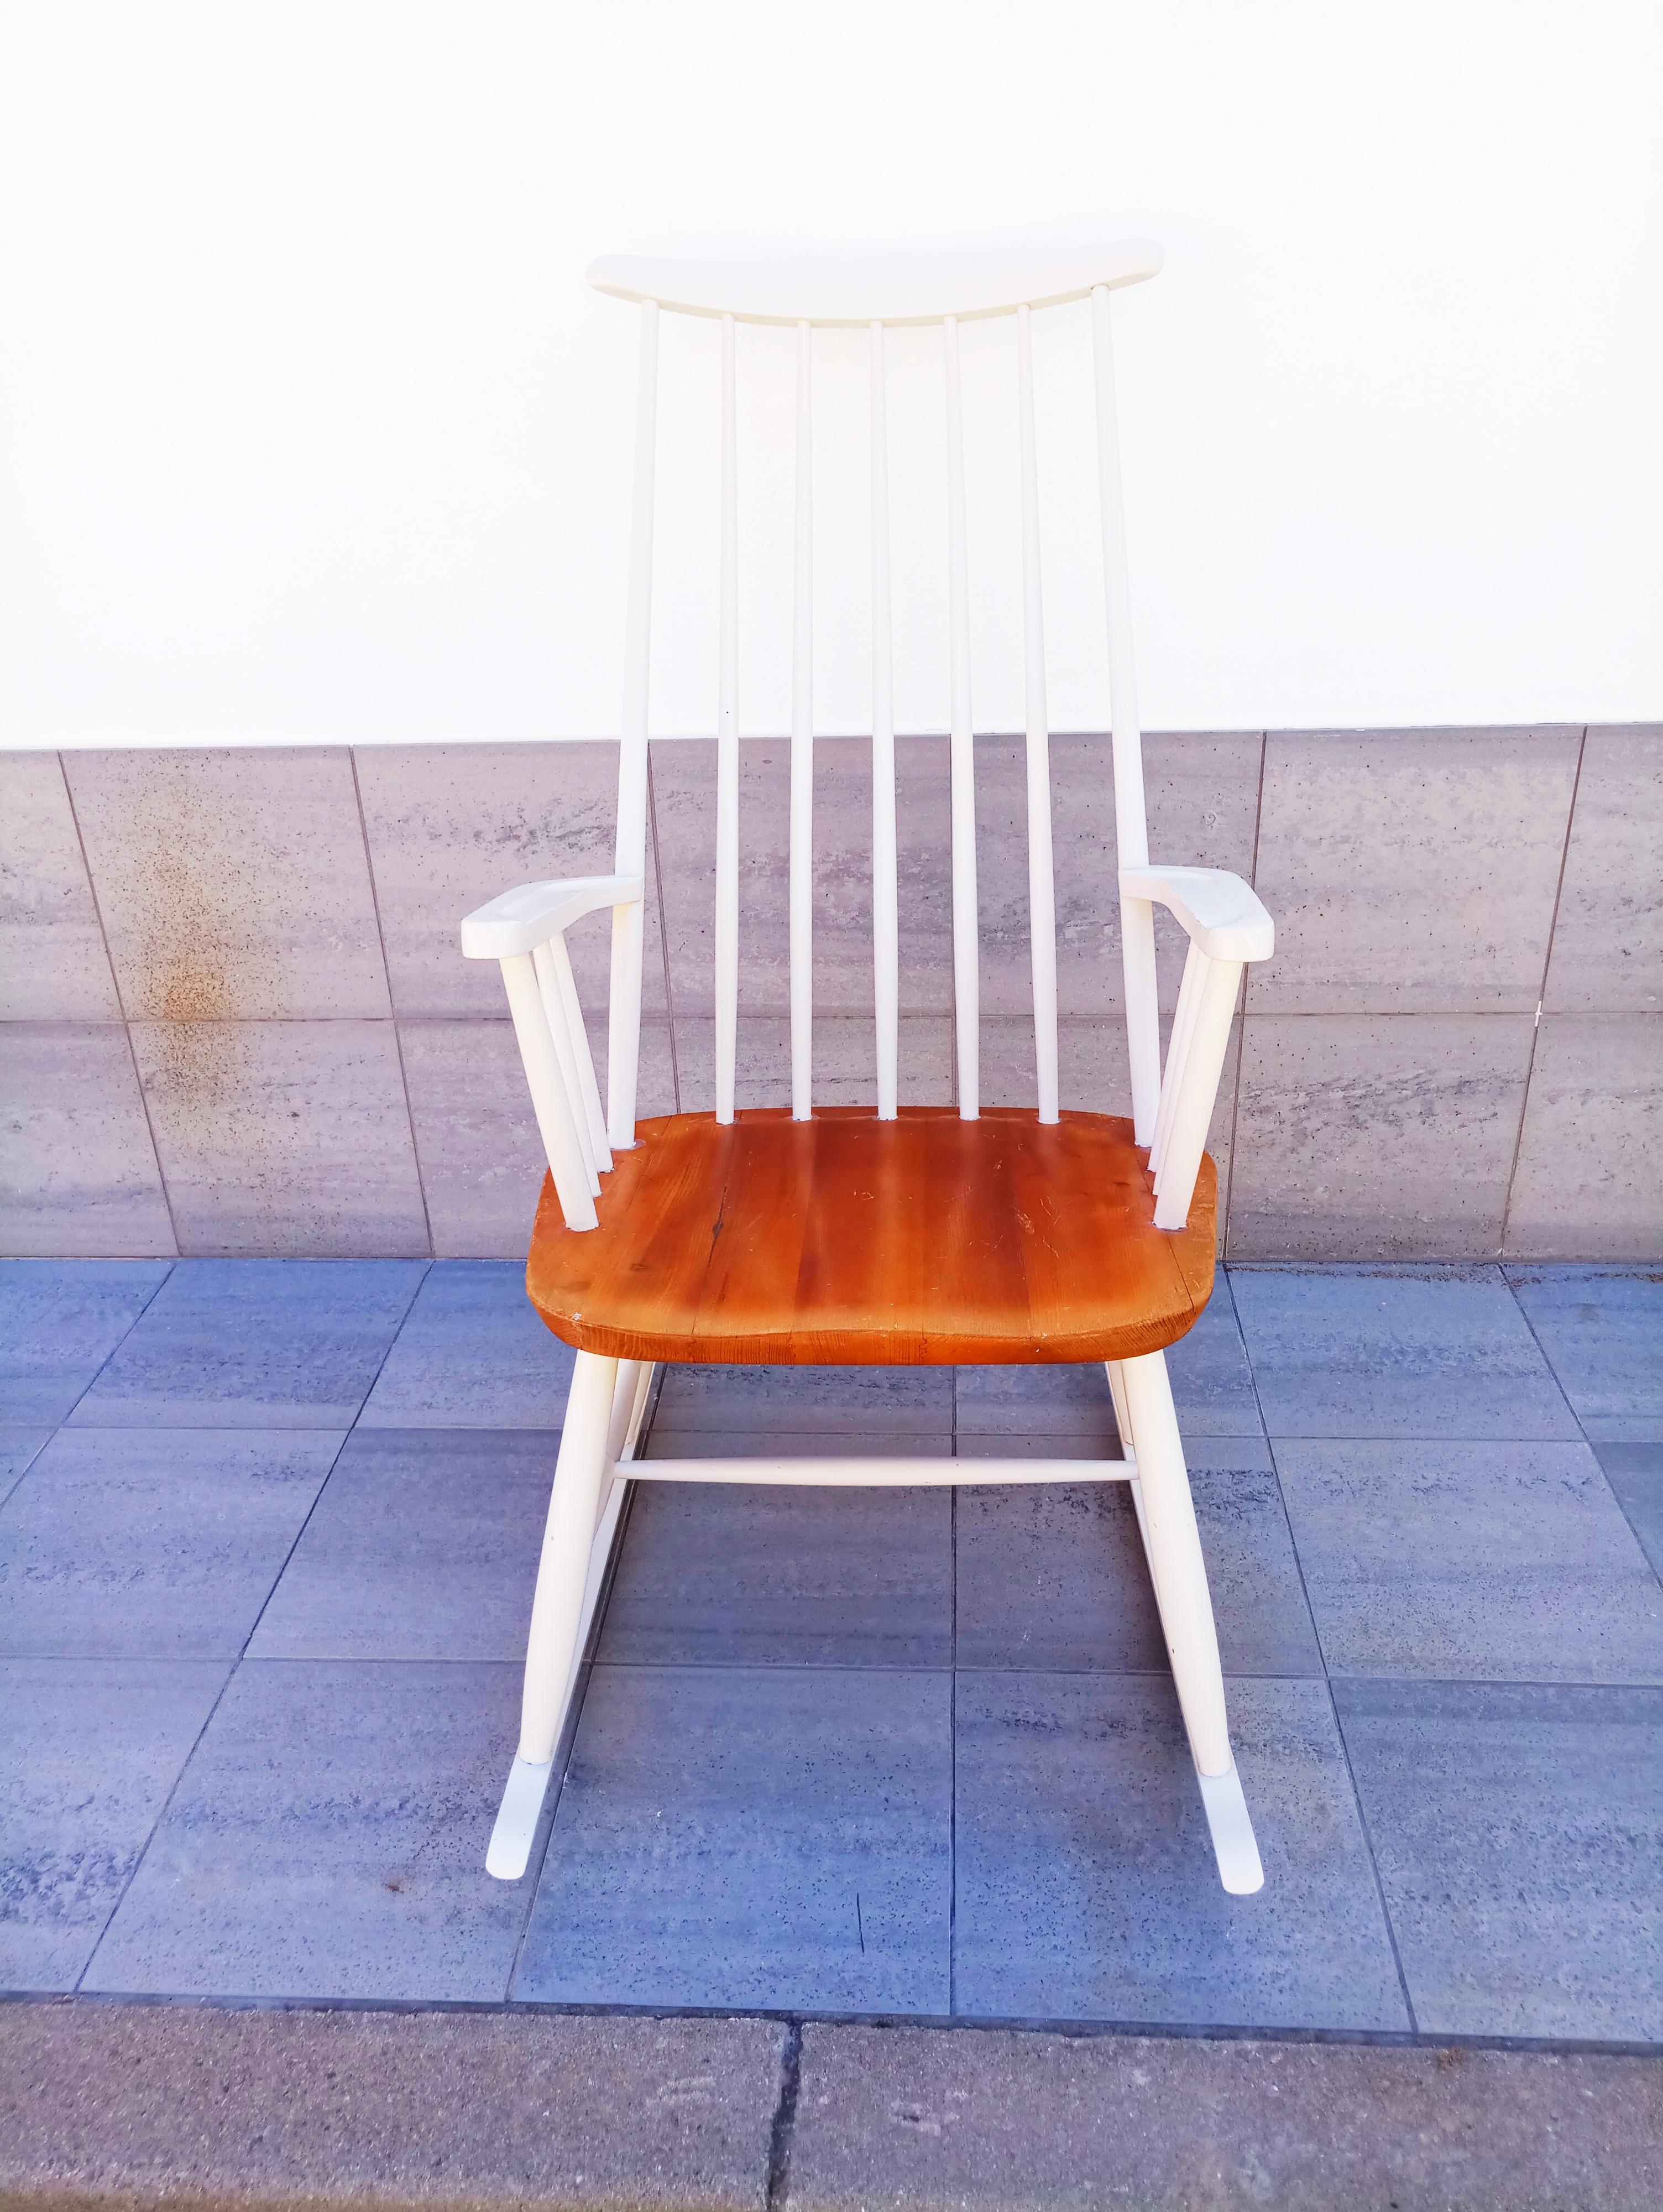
pixel 1117 1391
pixel 1179 1576
pixel 551 1653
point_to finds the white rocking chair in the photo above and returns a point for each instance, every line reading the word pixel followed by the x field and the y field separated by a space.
pixel 893 1236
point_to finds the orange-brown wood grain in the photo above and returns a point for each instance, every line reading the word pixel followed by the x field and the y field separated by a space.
pixel 849 1241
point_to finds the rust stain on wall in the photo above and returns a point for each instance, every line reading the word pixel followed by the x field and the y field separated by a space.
pixel 196 895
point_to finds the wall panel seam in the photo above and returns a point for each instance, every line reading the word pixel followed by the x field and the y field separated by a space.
pixel 386 984
pixel 1541 992
pixel 126 1023
pixel 1242 1007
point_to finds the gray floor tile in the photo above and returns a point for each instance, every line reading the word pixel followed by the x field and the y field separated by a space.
pixel 1054 1576
pixel 256 1344
pixel 1265 1624
pixel 328 1840
pixel 473 1354
pixel 1519 1833
pixel 90 1748
pixel 156 1544
pixel 1212 1381
pixel 18 1447
pixel 424 1546
pixel 900 1399
pixel 1635 1472
pixel 1602 1329
pixel 59 1321
pixel 1483 1562
pixel 1041 1402
pixel 722 1575
pixel 1087 1888
pixel 1394 1352
pixel 744 1837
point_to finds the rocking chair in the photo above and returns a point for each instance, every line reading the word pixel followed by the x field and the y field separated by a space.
pixel 894 1235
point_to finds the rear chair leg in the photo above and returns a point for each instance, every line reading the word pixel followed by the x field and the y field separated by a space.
pixel 558 1609
pixel 1166 1516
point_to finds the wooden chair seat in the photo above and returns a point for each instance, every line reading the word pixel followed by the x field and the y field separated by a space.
pixel 847 1241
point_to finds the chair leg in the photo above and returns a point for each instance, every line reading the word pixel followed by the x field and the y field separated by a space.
pixel 1117 1391
pixel 628 1403
pixel 557 1609
pixel 1167 1518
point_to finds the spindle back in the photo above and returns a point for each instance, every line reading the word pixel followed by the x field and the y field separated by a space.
pixel 876 297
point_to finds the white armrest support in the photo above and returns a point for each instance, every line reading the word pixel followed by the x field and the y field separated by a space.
pixel 521 920
pixel 1227 928
pixel 1221 914
pixel 525 929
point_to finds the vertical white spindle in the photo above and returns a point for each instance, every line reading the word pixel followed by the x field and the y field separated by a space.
pixel 552 1103
pixel 886 938
pixel 1203 1062
pixel 624 1024
pixel 1042 884
pixel 561 961
pixel 565 1051
pixel 1131 826
pixel 727 751
pixel 802 745
pixel 1177 1043
pixel 966 976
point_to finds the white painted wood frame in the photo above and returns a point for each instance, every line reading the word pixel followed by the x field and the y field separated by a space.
pixel 1225 924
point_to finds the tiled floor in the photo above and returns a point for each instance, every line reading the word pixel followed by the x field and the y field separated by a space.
pixel 267 1535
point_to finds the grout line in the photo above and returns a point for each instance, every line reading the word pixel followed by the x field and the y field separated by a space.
pixel 1368 1846
pixel 1587 1440
pixel 392 1011
pixel 121 1003
pixel 236 1664
pixel 1541 998
pixel 1657 1571
pixel 1547 1362
pixel 663 938
pixel 1072 2026
pixel 1004 1669
pixel 155 1826
pixel 398 1330
pixel 11 1491
pixel 1110 1018
pixel 1333 1707
pixel 170 1264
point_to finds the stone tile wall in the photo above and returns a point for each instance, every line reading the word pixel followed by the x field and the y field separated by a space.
pixel 235 1020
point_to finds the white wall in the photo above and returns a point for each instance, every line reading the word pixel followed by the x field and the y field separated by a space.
pixel 313 433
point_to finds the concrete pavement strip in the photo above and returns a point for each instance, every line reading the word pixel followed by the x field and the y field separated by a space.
pixel 198 2107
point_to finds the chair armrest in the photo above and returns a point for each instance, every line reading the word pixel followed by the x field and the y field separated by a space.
pixel 525 929
pixel 1227 927
pixel 1221 914
pixel 522 919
